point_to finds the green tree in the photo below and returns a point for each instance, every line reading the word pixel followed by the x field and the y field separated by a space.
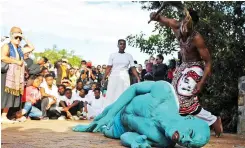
pixel 222 24
pixel 55 54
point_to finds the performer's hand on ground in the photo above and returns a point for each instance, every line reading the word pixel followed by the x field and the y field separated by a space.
pixel 198 88
pixel 154 17
pixel 141 142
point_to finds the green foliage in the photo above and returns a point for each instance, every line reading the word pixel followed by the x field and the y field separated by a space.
pixel 54 54
pixel 222 24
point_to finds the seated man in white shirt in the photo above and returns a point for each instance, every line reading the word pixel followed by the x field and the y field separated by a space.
pixel 70 105
pixel 94 106
pixel 49 93
pixel 79 87
pixel 91 92
pixel 82 98
pixel 55 110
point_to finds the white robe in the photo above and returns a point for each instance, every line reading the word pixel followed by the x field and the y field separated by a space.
pixel 119 79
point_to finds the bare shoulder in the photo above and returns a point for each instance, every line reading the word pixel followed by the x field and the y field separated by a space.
pixel 198 39
pixel 5 46
pixel 197 36
pixel 5 49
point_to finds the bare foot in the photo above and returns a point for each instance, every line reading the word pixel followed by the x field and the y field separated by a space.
pixel 221 127
pixel 218 128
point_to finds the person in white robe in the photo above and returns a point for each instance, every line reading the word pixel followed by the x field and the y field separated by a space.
pixel 118 67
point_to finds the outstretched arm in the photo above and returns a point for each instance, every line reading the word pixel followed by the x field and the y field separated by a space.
pixel 164 21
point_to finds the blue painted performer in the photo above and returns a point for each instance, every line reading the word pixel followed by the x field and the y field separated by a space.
pixel 147 114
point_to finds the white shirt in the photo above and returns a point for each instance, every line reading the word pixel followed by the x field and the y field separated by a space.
pixel 69 102
pixel 91 93
pixel 96 103
pixel 59 98
pixel 53 91
pixel 120 62
pixel 75 91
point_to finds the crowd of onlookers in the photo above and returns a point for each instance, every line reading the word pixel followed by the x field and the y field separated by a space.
pixel 60 90
pixel 67 92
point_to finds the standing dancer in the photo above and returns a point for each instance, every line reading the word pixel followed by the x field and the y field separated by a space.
pixel 192 73
pixel 118 66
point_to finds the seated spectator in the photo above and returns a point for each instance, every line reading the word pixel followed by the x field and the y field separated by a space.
pixel 67 82
pixel 72 77
pixel 70 106
pixel 94 106
pixel 78 88
pixel 61 91
pixel 83 97
pixel 31 96
pixel 55 111
pixel 49 93
pixel 91 92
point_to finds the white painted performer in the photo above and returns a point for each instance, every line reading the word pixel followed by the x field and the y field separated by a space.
pixel 117 67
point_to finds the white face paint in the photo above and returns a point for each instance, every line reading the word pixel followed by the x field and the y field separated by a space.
pixel 186 84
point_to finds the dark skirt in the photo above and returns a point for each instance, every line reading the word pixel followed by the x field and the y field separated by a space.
pixel 8 100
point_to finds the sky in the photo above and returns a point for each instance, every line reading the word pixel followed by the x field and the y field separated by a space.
pixel 89 28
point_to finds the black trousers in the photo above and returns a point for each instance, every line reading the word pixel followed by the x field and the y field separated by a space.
pixel 73 110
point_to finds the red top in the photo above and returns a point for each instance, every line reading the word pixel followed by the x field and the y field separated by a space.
pixel 171 73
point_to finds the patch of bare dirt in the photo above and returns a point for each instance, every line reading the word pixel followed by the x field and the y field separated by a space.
pixel 54 133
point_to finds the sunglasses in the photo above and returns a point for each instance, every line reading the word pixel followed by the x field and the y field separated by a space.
pixel 18 37
pixel 64 62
